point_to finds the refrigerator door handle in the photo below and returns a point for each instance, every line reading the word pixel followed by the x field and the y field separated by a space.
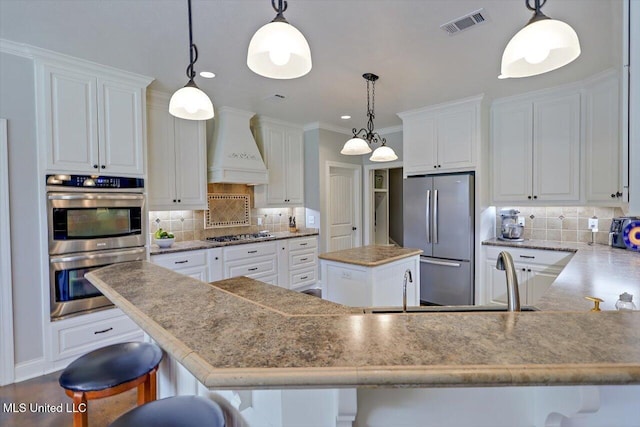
pixel 435 216
pixel 444 263
pixel 427 216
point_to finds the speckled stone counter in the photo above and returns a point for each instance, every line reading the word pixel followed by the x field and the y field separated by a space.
pixel 192 245
pixel 231 336
pixel 370 256
pixel 594 270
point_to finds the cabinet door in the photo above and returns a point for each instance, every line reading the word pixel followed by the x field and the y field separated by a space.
pixel 276 164
pixel 70 120
pixel 556 155
pixel 120 128
pixel 457 139
pixel 496 284
pixel 294 162
pixel 190 164
pixel 539 279
pixel 162 175
pixel 511 145
pixel 419 145
pixel 602 141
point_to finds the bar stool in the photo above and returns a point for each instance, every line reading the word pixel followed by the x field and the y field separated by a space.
pixel 109 371
pixel 179 411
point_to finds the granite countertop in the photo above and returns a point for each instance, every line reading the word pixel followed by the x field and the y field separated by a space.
pixel 370 256
pixel 192 245
pixel 242 333
pixel 594 270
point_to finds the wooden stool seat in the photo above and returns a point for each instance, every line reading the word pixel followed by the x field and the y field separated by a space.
pixel 179 411
pixel 109 371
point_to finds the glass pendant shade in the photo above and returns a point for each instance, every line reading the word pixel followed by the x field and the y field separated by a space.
pixel 541 46
pixel 383 154
pixel 191 103
pixel 355 147
pixel 279 51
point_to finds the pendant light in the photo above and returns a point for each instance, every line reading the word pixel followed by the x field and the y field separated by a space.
pixel 360 143
pixel 278 50
pixel 543 45
pixel 190 102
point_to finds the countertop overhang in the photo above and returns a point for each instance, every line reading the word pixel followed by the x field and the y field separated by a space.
pixel 241 333
pixel 370 256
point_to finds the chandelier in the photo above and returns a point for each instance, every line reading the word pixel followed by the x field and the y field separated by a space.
pixel 363 138
pixel 543 45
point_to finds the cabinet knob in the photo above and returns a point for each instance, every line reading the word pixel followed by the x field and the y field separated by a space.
pixel 354 228
pixel 535 197
pixel 95 166
pixel 439 166
pixel 529 197
pixel 103 167
pixel 435 166
pixel 174 200
pixel 179 201
pixel 618 194
pixel 524 269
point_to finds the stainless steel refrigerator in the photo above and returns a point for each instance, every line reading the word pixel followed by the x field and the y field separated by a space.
pixel 439 219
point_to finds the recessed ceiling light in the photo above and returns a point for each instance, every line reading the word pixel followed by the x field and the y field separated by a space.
pixel 345 117
pixel 207 74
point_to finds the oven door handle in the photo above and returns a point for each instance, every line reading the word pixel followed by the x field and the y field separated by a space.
pixel 100 255
pixel 94 196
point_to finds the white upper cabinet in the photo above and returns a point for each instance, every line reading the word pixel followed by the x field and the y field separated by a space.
pixel 602 140
pixel 441 138
pixel 535 147
pixel 91 118
pixel 177 159
pixel 281 146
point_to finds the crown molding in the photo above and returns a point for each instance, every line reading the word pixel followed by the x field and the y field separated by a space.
pixel 326 126
pixel 17 49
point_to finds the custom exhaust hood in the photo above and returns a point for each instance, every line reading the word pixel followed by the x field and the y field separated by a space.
pixel 233 156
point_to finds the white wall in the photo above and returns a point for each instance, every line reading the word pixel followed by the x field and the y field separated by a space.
pixel 17 105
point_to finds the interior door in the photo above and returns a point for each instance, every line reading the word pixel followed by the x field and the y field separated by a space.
pixel 344 216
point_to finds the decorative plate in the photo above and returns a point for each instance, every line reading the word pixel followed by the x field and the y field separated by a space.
pixel 631 235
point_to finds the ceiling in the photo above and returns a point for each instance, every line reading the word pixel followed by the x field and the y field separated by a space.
pixel 400 40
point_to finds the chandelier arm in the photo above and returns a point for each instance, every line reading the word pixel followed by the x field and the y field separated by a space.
pixel 537 5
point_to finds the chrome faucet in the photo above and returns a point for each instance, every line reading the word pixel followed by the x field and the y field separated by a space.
pixel 407 274
pixel 505 263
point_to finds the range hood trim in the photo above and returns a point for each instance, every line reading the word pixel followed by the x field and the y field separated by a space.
pixel 233 155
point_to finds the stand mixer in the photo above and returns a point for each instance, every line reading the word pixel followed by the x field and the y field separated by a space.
pixel 510 229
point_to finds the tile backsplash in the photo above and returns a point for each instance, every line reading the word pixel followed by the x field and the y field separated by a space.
pixel 564 224
pixel 190 225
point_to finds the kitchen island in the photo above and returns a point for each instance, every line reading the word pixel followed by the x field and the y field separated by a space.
pixel 375 275
pixel 242 334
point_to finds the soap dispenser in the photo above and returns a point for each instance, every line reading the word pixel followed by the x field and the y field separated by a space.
pixel 625 302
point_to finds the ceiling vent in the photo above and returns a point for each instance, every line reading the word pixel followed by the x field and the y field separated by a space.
pixel 465 22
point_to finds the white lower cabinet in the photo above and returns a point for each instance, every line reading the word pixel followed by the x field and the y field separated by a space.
pixel 298 262
pixel 379 286
pixel 79 335
pixel 189 263
pixel 256 260
pixel 536 270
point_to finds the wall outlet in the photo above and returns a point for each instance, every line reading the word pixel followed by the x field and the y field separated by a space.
pixel 259 220
pixel 593 223
pixel 311 220
pixel 521 220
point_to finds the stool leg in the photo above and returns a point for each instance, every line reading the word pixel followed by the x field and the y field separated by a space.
pixel 80 402
pixel 152 386
pixel 142 391
pixel 147 389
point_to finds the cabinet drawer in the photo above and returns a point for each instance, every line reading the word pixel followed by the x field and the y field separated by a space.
pixel 249 251
pixel 302 258
pixel 303 243
pixel 181 260
pixel 82 338
pixel 301 278
pixel 261 266
pixel 531 256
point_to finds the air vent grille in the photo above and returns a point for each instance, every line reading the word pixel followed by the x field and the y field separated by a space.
pixel 465 22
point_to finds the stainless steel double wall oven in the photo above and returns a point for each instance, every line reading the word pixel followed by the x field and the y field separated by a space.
pixel 92 222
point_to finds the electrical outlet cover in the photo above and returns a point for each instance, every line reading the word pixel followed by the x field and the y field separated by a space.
pixel 593 223
pixel 521 220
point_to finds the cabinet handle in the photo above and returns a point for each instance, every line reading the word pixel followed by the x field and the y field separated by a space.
pixel 303 244
pixel 435 166
pixel 529 197
pixel 181 262
pixel 103 331
pixel 527 256
pixel 252 252
pixel 618 194
pixel 303 259
pixel 95 166
pixel 535 197
pixel 304 277
pixel 529 270
pixel 439 166
pixel 216 258
pixel 103 166
pixel 174 200
pixel 179 200
pixel 524 269
pixel 613 195
pixel 253 269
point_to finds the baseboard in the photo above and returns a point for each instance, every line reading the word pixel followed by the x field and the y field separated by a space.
pixel 29 369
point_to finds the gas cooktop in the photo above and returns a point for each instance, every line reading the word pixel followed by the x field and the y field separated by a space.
pixel 239 237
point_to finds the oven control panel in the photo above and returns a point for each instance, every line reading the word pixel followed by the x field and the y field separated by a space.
pixel 93 181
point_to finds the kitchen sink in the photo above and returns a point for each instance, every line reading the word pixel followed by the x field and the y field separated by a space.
pixel 445 309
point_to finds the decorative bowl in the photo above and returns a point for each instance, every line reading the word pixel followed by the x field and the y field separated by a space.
pixel 165 243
